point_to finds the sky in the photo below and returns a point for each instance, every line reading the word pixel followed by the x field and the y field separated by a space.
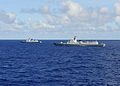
pixel 60 19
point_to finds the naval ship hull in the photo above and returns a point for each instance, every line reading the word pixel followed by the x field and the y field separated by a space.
pixel 29 42
pixel 84 45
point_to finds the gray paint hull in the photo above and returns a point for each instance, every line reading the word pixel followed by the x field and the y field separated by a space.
pixel 84 45
pixel 29 42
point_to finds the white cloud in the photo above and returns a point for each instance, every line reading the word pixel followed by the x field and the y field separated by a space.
pixel 11 27
pixel 7 17
pixel 65 20
pixel 72 9
pixel 73 17
pixel 104 10
pixel 12 16
pixel 8 22
pixel 94 15
pixel 76 16
pixel 117 20
pixel 117 8
pixel 30 11
pixel 39 25
pixel 45 9
pixel 29 20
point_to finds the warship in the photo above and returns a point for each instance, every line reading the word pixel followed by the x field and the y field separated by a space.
pixel 31 41
pixel 74 42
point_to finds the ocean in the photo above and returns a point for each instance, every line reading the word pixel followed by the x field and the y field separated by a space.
pixel 34 64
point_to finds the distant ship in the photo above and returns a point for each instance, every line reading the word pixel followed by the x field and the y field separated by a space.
pixel 74 42
pixel 31 41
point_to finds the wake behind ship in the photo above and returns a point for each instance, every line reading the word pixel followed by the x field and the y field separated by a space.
pixel 74 42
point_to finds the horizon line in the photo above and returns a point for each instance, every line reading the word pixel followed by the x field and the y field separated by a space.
pixel 54 39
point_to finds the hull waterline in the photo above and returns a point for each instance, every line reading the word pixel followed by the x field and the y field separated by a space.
pixel 30 42
pixel 82 45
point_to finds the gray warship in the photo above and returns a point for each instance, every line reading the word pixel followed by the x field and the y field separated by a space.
pixel 31 41
pixel 74 42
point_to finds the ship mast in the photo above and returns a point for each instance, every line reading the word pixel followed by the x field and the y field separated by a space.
pixel 75 39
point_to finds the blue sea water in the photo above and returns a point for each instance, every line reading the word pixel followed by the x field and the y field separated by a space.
pixel 33 64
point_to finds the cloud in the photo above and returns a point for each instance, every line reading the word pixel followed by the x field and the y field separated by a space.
pixel 117 8
pixel 117 20
pixel 104 10
pixel 30 11
pixel 8 22
pixel 11 27
pixel 39 24
pixel 12 16
pixel 72 17
pixel 117 12
pixel 72 9
pixel 7 17
pixel 76 16
pixel 43 10
pixel 51 1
